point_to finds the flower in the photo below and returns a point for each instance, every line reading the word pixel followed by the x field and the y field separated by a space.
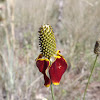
pixel 97 47
pixel 55 68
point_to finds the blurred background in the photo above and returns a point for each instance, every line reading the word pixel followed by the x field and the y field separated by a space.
pixel 76 24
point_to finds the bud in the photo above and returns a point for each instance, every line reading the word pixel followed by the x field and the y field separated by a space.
pixel 97 47
pixel 47 41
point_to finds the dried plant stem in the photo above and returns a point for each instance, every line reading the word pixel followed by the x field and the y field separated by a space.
pixel 52 92
pixel 12 23
pixel 60 14
pixel 10 58
pixel 90 77
pixel 7 36
pixel 10 15
pixel 46 10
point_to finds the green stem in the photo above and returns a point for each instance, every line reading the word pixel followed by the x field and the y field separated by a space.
pixel 90 77
pixel 52 92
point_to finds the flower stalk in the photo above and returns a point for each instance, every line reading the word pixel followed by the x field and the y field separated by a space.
pixel 90 77
pixel 52 92
pixel 97 52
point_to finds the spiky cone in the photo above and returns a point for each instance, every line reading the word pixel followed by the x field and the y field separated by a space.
pixel 47 41
pixel 97 47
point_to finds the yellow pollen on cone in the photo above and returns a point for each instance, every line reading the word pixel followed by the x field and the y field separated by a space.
pixel 47 41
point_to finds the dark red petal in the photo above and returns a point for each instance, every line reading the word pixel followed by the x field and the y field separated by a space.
pixel 47 80
pixel 57 69
pixel 42 65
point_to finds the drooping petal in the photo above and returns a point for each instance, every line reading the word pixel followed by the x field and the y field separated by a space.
pixel 57 69
pixel 47 80
pixel 42 65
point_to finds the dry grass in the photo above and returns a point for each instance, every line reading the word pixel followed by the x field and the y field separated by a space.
pixel 80 28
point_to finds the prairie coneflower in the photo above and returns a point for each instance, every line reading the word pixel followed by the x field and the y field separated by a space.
pixel 55 68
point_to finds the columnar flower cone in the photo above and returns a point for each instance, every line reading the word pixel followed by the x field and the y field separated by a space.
pixel 47 41
pixel 97 47
pixel 48 50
